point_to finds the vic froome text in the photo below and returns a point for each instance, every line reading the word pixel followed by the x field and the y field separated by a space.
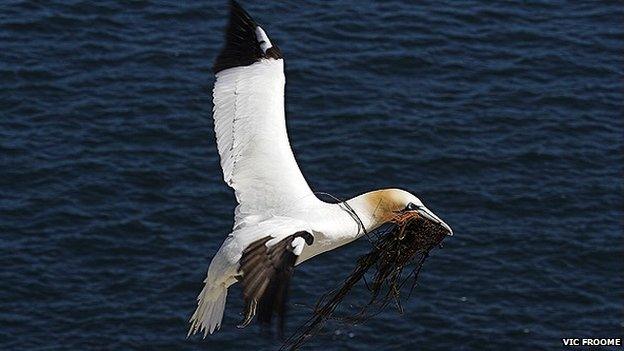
pixel 592 342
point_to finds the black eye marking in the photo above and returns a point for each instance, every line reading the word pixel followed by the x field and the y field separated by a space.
pixel 411 207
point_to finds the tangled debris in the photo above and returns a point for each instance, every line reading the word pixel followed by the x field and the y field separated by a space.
pixel 407 239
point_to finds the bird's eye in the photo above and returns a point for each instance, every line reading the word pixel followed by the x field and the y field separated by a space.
pixel 411 207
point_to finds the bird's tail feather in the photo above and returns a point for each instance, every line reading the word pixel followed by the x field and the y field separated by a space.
pixel 210 306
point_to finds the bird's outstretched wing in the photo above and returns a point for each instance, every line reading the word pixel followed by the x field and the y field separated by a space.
pixel 265 273
pixel 250 126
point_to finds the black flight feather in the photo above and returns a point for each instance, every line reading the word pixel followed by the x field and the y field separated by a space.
pixel 241 44
pixel 265 276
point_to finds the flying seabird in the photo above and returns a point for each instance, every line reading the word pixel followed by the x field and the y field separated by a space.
pixel 279 222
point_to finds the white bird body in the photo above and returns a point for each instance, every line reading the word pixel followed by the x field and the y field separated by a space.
pixel 275 203
pixel 331 225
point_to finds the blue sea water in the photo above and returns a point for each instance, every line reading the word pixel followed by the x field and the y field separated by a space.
pixel 505 118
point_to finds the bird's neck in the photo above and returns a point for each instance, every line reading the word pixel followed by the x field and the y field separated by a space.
pixel 372 210
pixel 341 223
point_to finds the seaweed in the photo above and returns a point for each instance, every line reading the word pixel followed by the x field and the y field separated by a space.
pixel 401 245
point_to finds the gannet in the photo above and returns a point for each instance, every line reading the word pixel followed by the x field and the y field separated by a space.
pixel 279 222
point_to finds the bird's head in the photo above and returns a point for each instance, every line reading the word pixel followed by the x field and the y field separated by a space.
pixel 382 206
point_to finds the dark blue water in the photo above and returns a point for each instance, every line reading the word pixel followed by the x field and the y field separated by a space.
pixel 505 118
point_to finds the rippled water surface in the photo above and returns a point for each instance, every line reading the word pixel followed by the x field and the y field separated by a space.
pixel 505 118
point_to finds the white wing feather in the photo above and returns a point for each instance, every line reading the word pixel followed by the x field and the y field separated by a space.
pixel 256 157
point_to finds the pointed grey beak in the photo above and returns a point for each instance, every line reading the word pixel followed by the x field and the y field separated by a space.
pixel 425 212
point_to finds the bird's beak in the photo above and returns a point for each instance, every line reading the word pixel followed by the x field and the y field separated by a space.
pixel 426 213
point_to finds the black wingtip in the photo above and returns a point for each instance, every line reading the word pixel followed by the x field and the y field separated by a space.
pixel 241 44
pixel 237 10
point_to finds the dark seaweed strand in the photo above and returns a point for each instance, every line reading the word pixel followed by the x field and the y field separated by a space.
pixel 396 254
pixel 330 301
pixel 364 315
pixel 390 255
pixel 313 324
